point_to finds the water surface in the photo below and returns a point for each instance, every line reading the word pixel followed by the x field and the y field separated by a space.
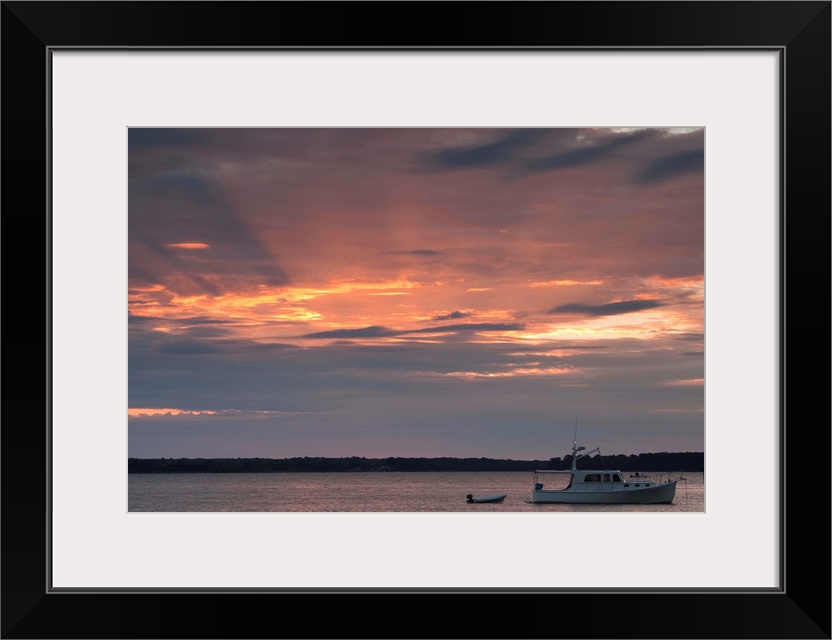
pixel 366 492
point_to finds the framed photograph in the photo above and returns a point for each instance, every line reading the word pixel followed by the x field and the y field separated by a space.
pixel 185 158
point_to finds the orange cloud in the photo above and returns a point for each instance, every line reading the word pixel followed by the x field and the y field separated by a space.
pixel 151 412
pixel 514 373
pixel 565 283
pixel 692 382
pixel 189 245
pixel 146 412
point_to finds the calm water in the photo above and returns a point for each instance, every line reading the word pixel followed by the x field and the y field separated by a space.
pixel 365 492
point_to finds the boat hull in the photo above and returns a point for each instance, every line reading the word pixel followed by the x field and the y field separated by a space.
pixel 589 494
pixel 485 499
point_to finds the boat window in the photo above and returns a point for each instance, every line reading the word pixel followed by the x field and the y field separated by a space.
pixel 592 477
pixel 606 477
pixel 616 477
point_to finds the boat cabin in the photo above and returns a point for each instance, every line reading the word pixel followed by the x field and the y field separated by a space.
pixel 599 479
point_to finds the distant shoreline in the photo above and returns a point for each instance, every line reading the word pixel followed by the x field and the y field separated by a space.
pixel 687 461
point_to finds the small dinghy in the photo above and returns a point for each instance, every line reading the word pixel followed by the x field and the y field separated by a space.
pixel 495 498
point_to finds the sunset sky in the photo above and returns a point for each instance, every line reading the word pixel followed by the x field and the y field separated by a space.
pixel 415 291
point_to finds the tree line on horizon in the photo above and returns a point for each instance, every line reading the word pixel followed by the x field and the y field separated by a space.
pixel 652 462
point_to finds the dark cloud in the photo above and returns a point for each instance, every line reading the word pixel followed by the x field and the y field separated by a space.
pixel 184 186
pixel 493 153
pixel 264 346
pixel 414 252
pixel 583 347
pixel 142 138
pixel 690 337
pixel 384 332
pixel 453 315
pixel 592 152
pixel 204 331
pixel 568 148
pixel 209 341
pixel 611 309
pixel 671 166
pixel 195 320
pixel 497 326
pixel 366 332
pixel 187 347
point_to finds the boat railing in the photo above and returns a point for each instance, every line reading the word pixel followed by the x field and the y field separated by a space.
pixel 657 478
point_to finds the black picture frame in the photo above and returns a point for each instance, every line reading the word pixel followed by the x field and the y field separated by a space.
pixel 799 608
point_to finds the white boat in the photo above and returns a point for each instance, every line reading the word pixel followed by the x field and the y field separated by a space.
pixel 495 498
pixel 601 486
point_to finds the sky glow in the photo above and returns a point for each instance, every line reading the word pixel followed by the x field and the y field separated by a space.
pixel 415 292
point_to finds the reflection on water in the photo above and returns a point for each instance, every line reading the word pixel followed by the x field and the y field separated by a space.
pixel 365 492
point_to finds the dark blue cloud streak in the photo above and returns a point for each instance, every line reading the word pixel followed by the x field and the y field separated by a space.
pixel 671 166
pixel 492 153
pixel 147 138
pixel 611 309
pixel 585 155
pixel 384 332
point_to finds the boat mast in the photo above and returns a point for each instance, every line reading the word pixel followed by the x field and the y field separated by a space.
pixel 575 447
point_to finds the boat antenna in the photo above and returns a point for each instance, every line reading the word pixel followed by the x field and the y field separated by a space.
pixel 575 447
